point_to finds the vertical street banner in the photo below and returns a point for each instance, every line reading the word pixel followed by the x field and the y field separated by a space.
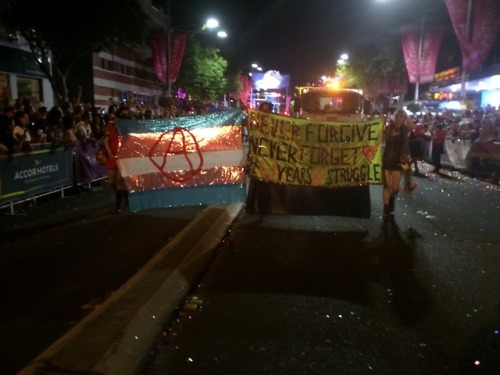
pixel 287 150
pixel 163 68
pixel 246 88
pixel 183 161
pixel 159 54
pixel 177 48
pixel 24 175
pixel 421 64
pixel 477 38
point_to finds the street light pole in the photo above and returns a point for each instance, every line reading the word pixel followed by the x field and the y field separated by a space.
pixel 169 48
pixel 468 35
pixel 210 25
pixel 420 51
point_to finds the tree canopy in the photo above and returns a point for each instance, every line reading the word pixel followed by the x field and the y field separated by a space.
pixel 203 72
pixel 63 31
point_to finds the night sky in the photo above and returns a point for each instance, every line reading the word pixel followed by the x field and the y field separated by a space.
pixel 305 38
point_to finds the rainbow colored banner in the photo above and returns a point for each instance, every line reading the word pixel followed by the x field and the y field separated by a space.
pixel 183 161
pixel 287 150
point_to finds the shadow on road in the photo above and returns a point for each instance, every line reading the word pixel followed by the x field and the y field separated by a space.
pixel 339 264
pixel 396 262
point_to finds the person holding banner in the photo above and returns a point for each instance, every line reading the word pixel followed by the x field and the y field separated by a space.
pixel 395 159
pixel 111 142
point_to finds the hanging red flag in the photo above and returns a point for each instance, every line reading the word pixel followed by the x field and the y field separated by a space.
pixel 177 48
pixel 159 48
pixel 421 65
pixel 476 40
pixel 159 53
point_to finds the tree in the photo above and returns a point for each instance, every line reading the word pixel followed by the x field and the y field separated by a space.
pixel 345 71
pixel 203 72
pixel 375 68
pixel 62 31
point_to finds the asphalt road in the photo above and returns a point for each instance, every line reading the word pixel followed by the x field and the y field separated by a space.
pixel 331 295
pixel 284 295
pixel 61 258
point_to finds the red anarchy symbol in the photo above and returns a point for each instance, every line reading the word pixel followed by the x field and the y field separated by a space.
pixel 187 139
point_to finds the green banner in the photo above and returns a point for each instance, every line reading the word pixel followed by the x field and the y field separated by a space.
pixel 295 151
pixel 30 174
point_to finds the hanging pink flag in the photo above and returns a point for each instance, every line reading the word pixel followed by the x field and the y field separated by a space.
pixel 177 48
pixel 159 52
pixel 421 67
pixel 246 88
pixel 484 29
pixel 159 48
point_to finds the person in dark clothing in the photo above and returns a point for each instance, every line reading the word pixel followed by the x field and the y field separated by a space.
pixel 395 158
pixel 438 137
pixel 115 179
pixel 260 192
pixel 7 140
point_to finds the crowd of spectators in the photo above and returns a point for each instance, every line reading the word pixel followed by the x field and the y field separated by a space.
pixel 23 123
pixel 432 130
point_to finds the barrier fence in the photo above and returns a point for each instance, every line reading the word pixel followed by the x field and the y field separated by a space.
pixel 49 168
pixel 477 158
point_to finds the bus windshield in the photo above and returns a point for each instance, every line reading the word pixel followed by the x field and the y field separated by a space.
pixel 345 102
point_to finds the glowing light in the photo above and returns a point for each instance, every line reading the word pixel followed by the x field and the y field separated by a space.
pixel 212 23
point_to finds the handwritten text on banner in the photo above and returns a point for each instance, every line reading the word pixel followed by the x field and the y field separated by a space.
pixel 328 154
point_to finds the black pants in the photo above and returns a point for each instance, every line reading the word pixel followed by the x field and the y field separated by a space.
pixel 437 150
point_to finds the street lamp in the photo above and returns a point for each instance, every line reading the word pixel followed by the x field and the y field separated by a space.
pixel 209 26
pixel 254 67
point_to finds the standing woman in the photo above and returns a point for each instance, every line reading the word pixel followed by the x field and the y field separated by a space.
pixel 438 139
pixel 395 158
pixel 111 143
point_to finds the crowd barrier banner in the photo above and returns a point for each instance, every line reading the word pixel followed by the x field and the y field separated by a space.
pixel 87 167
pixel 455 153
pixel 292 151
pixel 183 161
pixel 25 175
pixel 484 158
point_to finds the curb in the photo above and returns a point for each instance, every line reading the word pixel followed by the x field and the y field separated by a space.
pixel 118 335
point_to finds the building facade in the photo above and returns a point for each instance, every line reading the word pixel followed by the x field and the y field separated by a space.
pixel 21 80
pixel 104 78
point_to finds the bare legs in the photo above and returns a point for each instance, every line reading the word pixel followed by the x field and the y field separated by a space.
pixel 392 180
pixel 117 183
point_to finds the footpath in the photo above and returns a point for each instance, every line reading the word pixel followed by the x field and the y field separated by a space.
pixel 117 336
